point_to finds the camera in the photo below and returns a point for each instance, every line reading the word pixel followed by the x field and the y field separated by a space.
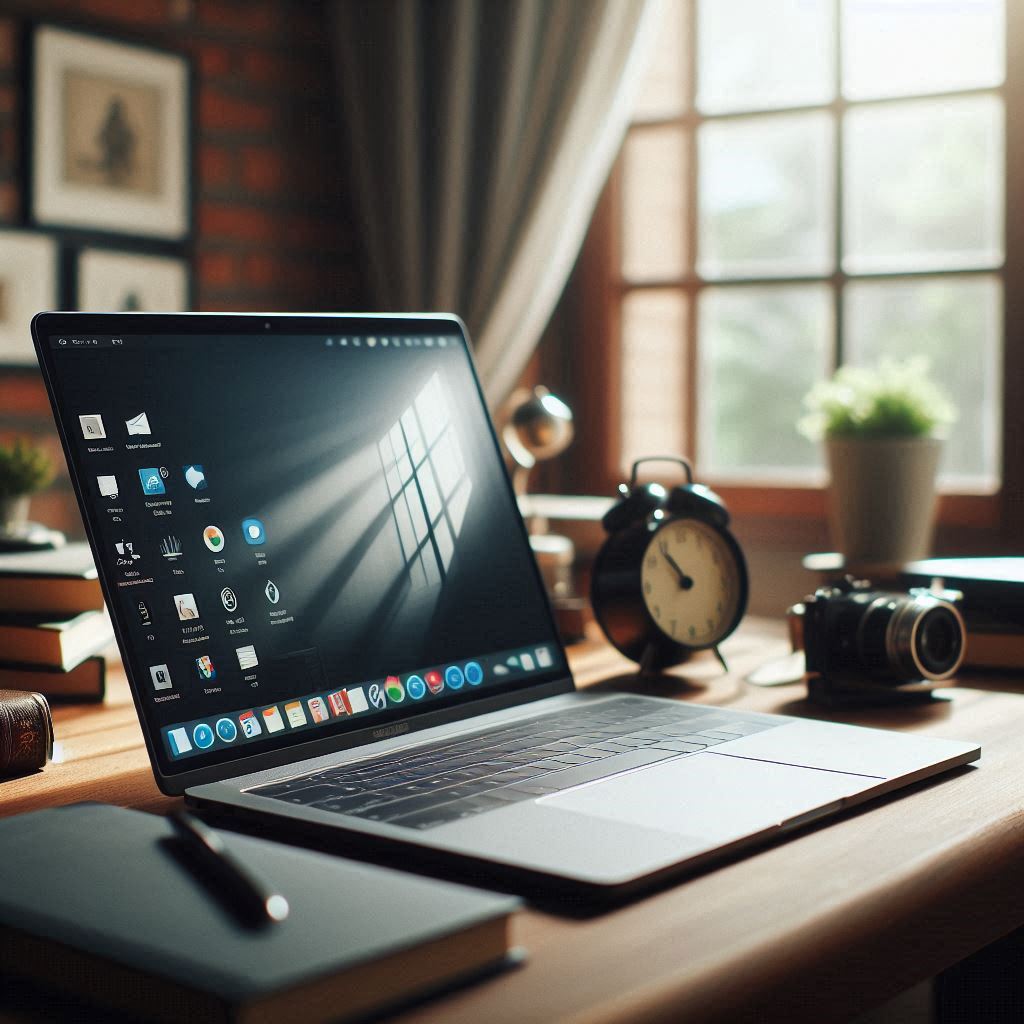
pixel 863 644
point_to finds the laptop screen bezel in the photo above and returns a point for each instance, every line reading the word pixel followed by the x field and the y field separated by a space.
pixel 45 325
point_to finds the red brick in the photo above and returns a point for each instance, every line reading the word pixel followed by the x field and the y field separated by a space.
pixel 136 12
pixel 10 205
pixel 283 73
pixel 264 170
pixel 214 61
pixel 240 17
pixel 221 112
pixel 8 99
pixel 8 43
pixel 217 269
pixel 260 270
pixel 23 396
pixel 237 223
pixel 216 167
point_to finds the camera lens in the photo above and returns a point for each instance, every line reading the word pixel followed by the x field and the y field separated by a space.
pixel 914 636
pixel 940 641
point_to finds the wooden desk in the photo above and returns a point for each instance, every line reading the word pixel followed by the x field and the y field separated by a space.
pixel 817 927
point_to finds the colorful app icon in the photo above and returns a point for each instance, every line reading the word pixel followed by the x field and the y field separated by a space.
pixel 474 673
pixel 253 531
pixel 92 427
pixel 377 697
pixel 318 709
pixel 138 424
pixel 394 689
pixel 272 719
pixel 527 662
pixel 294 713
pixel 434 682
pixel 178 739
pixel 337 704
pixel 544 659
pixel 453 677
pixel 227 730
pixel 107 486
pixel 152 482
pixel 204 666
pixel 355 700
pixel 213 538
pixel 273 594
pixel 170 547
pixel 202 736
pixel 161 676
pixel 250 724
pixel 195 477
pixel 186 607
pixel 247 657
pixel 415 687
pixel 228 599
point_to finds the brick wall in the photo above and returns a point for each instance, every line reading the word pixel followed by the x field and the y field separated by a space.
pixel 272 213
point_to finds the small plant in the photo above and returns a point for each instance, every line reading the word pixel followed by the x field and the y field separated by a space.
pixel 891 399
pixel 24 469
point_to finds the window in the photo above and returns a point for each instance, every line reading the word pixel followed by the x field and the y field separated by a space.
pixel 806 183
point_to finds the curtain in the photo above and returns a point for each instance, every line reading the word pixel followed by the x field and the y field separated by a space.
pixel 479 136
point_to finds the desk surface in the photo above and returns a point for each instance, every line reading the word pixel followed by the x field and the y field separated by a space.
pixel 837 918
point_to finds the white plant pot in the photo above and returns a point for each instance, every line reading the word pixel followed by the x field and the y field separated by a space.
pixel 14 514
pixel 882 498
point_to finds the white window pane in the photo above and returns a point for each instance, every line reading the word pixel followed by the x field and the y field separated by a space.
pixel 924 185
pixel 761 348
pixel 957 323
pixel 445 544
pixel 412 435
pixel 764 54
pixel 663 90
pixel 405 531
pixel 419 521
pixel 918 46
pixel 653 198
pixel 445 464
pixel 766 196
pixel 653 373
pixel 430 496
pixel 458 505
pixel 432 409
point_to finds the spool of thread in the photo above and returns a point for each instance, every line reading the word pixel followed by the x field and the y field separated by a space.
pixel 26 732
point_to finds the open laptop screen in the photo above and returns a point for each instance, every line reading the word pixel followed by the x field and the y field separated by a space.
pixel 299 532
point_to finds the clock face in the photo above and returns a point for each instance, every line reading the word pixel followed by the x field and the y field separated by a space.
pixel 691 582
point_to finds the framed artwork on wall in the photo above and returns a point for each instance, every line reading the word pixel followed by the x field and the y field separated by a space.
pixel 28 285
pixel 110 281
pixel 110 131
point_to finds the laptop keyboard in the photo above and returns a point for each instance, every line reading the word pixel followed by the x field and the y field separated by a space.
pixel 445 781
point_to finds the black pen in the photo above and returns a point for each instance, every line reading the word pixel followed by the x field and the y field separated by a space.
pixel 253 900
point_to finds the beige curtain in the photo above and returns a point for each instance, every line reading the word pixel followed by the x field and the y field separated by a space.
pixel 480 133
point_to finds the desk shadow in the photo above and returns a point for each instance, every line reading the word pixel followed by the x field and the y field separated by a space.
pixel 655 684
pixel 880 717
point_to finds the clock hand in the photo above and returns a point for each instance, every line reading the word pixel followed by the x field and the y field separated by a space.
pixel 685 582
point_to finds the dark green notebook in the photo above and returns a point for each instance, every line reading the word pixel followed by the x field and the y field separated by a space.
pixel 103 907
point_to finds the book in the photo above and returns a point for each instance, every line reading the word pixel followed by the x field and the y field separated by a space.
pixel 60 581
pixel 85 682
pixel 994 650
pixel 60 644
pixel 132 927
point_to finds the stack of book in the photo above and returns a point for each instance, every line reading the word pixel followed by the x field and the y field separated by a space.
pixel 53 624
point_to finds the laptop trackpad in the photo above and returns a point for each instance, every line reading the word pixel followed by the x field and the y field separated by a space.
pixel 710 795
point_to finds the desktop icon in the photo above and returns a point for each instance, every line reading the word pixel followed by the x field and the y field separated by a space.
pixel 213 538
pixel 126 553
pixel 434 682
pixel 415 687
pixel 151 480
pixel 202 736
pixel 250 724
pixel 138 424
pixel 228 599
pixel 204 666
pixel 294 713
pixel 186 606
pixel 273 594
pixel 170 547
pixel 253 531
pixel 92 427
pixel 247 657
pixel 195 477
pixel 227 730
pixel 145 619
pixel 161 676
pixel 544 659
pixel 394 689
pixel 453 677
pixel 474 673
pixel 178 739
pixel 355 700
pixel 272 719
pixel 527 662
pixel 378 698
pixel 107 486
pixel 318 709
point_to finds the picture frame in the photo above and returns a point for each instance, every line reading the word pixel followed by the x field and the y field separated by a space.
pixel 29 283
pixel 110 130
pixel 116 281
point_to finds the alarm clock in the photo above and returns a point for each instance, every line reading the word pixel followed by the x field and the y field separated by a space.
pixel 670 578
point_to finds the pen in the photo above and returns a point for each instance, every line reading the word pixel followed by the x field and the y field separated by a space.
pixel 252 899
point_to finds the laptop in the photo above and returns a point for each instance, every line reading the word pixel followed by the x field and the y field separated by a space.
pixel 332 622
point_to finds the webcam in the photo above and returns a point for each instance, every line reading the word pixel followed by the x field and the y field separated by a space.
pixel 266 325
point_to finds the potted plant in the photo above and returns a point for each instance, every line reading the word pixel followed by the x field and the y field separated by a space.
pixel 883 428
pixel 24 469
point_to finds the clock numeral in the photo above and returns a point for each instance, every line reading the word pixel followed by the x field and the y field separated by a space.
pixel 652 562
pixel 718 607
pixel 693 632
pixel 672 626
pixel 711 625
pixel 647 587
pixel 657 611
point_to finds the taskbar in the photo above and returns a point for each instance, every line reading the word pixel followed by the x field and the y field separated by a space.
pixel 310 711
